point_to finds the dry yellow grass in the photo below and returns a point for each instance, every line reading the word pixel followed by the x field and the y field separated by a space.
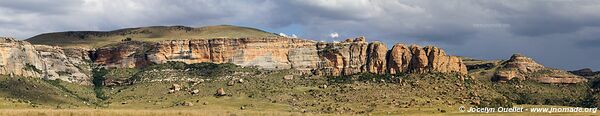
pixel 135 112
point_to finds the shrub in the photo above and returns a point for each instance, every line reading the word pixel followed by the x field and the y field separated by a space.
pixel 30 67
pixel 126 39
pixel 98 81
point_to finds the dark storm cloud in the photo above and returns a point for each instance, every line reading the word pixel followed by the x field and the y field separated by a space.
pixel 40 6
pixel 542 17
pixel 557 33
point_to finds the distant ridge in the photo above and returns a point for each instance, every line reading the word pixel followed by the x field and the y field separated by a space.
pixel 92 39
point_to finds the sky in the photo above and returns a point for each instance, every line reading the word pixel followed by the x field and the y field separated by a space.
pixel 563 34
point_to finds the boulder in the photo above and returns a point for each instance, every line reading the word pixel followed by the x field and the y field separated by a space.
pixel 175 87
pixel 221 92
pixel 288 77
pixel 187 104
pixel 195 91
pixel 231 83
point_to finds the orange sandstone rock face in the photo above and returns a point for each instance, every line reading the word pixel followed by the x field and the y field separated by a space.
pixel 376 62
pixel 267 53
pixel 399 59
pixel 129 54
pixel 414 59
pixel 346 58
pixel 339 58
pixel 419 61
pixel 440 62
pixel 352 56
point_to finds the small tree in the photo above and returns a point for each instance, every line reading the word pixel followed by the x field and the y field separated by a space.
pixel 126 39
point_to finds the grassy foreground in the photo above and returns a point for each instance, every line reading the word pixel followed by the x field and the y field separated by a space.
pixel 251 91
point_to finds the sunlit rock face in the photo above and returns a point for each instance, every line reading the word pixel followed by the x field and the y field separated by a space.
pixel 20 58
pixel 522 67
pixel 351 56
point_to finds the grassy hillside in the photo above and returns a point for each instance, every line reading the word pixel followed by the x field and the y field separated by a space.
pixel 155 33
pixel 25 92
pixel 252 91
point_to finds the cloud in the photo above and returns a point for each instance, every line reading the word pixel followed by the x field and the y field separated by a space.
pixel 290 36
pixel 334 35
pixel 490 29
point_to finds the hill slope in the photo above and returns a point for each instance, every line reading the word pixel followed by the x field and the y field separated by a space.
pixel 91 39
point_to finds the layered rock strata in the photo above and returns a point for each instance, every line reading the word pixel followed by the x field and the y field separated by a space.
pixel 19 58
pixel 522 68
pixel 349 57
pixel 339 58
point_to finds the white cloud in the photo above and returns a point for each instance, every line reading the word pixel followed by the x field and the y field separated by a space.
pixel 283 34
pixel 334 35
pixel 290 36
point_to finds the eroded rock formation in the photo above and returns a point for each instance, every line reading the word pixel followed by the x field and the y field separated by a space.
pixel 349 57
pixel 399 59
pixel 64 66
pixel 267 53
pixel 19 58
pixel 522 67
pixel 345 58
pixel 376 58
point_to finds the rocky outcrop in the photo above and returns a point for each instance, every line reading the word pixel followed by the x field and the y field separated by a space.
pixel 19 58
pixel 419 60
pixel 130 54
pixel 267 53
pixel 415 59
pixel 67 67
pixel 522 67
pixel 351 56
pixel 376 58
pixel 440 62
pixel 399 59
pixel 345 58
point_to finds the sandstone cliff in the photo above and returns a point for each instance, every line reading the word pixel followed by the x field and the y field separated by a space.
pixel 345 58
pixel 66 66
pixel 522 67
pixel 339 58
pixel 376 58
pixel 19 58
pixel 308 57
